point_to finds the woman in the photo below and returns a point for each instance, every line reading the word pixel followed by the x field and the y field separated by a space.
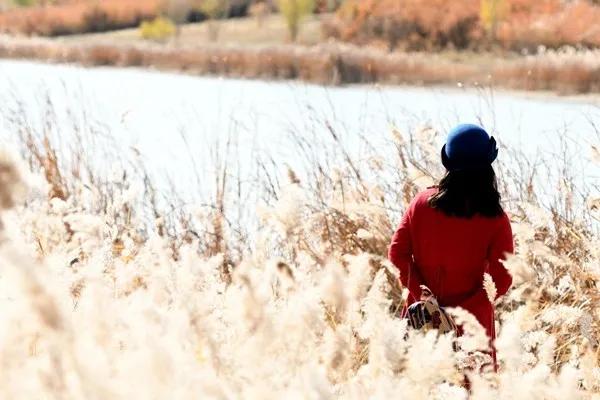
pixel 454 233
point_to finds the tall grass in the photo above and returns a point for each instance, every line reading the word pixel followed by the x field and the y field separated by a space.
pixel 102 302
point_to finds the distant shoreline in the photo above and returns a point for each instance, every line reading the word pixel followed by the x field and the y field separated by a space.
pixel 327 64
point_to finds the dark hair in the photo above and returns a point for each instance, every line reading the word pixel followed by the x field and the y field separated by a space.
pixel 468 192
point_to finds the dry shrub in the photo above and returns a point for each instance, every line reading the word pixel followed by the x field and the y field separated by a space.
pixel 552 23
pixel 424 25
pixel 259 10
pixel 79 17
pixel 159 29
pixel 565 70
pixel 410 24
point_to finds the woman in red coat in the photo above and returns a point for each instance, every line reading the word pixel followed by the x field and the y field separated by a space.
pixel 455 232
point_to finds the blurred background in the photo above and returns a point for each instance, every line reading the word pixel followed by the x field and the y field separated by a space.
pixel 522 44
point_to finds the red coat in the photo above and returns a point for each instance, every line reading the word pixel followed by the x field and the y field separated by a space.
pixel 450 255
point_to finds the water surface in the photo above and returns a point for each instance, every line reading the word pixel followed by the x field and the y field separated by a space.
pixel 174 120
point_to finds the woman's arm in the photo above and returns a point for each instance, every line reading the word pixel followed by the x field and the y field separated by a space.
pixel 400 254
pixel 502 245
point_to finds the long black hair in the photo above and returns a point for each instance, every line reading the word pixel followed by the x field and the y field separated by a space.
pixel 468 192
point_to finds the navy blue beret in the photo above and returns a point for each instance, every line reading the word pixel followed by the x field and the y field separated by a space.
pixel 468 146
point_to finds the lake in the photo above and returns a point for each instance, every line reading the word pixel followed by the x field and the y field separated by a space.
pixel 174 120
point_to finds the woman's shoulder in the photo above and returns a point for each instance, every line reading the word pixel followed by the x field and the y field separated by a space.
pixel 422 198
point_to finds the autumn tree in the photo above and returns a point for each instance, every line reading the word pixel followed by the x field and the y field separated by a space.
pixel 293 11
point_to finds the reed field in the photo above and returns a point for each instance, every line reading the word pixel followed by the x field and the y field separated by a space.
pixel 277 285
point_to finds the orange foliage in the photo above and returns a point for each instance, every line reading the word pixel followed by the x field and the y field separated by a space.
pixel 409 24
pixel 426 24
pixel 552 23
pixel 82 16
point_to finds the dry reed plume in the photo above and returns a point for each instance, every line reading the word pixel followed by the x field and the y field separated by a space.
pixel 107 294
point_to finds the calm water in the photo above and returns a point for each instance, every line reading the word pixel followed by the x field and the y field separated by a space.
pixel 174 120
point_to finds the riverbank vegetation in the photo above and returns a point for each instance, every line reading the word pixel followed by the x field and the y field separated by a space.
pixel 522 44
pixel 170 300
pixel 565 71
